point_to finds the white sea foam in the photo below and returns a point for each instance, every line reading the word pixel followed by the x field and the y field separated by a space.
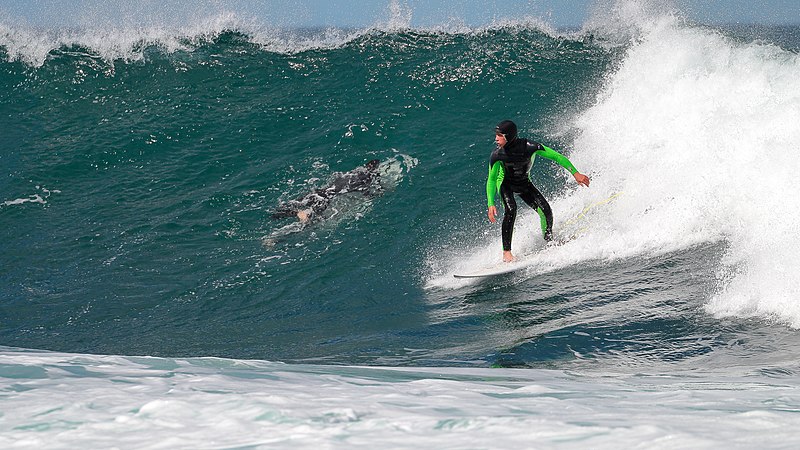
pixel 701 135
pixel 33 45
pixel 53 401
pixel 33 198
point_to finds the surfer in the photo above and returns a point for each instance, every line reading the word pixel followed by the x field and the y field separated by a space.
pixel 361 179
pixel 509 174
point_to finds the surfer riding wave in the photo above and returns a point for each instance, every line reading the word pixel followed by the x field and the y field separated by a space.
pixel 509 174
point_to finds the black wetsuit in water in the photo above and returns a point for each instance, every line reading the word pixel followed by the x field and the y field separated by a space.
pixel 360 179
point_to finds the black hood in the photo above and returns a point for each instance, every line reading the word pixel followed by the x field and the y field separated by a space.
pixel 508 129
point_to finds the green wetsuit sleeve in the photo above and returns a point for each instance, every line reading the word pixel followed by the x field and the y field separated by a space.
pixel 493 182
pixel 553 155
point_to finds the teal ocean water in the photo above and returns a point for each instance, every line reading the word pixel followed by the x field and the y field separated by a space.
pixel 140 168
pixel 157 177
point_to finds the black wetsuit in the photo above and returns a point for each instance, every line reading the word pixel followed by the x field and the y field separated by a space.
pixel 360 179
pixel 509 174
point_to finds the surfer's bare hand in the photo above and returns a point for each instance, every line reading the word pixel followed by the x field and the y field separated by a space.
pixel 303 216
pixel 492 214
pixel 581 179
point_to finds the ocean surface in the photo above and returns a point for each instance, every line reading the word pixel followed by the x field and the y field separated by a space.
pixel 148 299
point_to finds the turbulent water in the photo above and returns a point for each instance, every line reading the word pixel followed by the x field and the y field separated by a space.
pixel 140 168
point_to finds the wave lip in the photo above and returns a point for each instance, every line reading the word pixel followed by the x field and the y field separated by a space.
pixel 33 46
pixel 127 40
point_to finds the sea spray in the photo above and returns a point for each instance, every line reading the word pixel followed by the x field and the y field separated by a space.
pixel 700 133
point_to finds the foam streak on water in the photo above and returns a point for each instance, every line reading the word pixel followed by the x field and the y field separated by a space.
pixel 53 400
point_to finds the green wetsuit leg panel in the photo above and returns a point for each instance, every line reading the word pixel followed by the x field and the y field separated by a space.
pixel 542 221
pixel 536 200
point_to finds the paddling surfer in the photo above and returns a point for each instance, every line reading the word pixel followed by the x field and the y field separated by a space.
pixel 361 179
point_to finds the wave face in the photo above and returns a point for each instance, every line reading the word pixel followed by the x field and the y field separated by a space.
pixel 143 164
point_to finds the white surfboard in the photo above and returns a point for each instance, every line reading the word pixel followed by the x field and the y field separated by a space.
pixel 574 228
pixel 502 268
pixel 498 269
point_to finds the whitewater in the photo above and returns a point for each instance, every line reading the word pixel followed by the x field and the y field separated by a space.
pixel 147 300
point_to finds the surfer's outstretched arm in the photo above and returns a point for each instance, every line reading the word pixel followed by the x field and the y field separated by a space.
pixel 562 161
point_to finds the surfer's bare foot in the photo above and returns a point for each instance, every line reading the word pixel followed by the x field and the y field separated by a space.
pixel 507 256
